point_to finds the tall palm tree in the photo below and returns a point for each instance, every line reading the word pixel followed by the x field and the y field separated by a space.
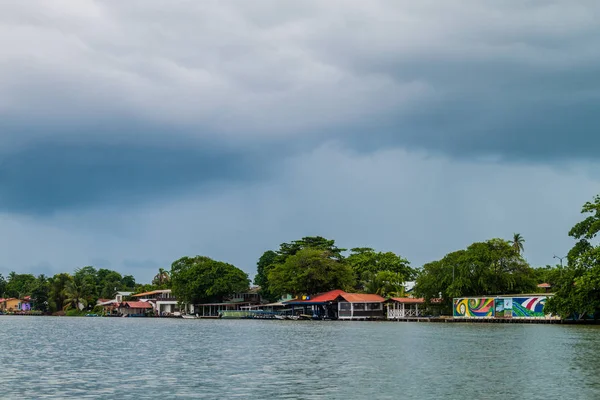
pixel 161 277
pixel 75 295
pixel 517 243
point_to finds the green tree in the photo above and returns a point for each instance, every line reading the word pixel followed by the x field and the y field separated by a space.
pixel 310 242
pixel 201 279
pixel 386 284
pixel 484 268
pixel 128 282
pixel 58 284
pixel 111 283
pixel 87 278
pixel 40 294
pixel 19 285
pixel 367 263
pixel 75 293
pixel 517 243
pixel 577 292
pixel 265 263
pixel 162 279
pixel 2 286
pixel 310 271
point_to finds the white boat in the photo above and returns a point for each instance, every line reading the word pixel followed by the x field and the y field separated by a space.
pixel 188 316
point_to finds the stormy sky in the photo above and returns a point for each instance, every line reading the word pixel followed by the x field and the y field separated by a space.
pixel 134 133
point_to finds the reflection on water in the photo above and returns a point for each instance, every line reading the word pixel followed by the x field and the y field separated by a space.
pixel 107 358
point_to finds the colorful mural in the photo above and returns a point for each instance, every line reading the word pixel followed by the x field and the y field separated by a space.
pixel 528 306
pixel 504 307
pixel 500 307
pixel 474 308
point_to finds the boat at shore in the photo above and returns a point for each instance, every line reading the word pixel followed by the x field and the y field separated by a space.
pixel 189 316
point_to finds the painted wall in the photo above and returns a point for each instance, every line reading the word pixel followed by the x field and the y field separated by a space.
pixel 500 307
pixel 482 307
pixel 528 307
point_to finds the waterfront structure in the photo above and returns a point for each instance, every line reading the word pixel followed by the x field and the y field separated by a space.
pixel 337 304
pixel 242 301
pixel 134 308
pixel 502 307
pixel 357 306
pixel 405 307
pixel 111 306
pixel 163 301
pixel 15 305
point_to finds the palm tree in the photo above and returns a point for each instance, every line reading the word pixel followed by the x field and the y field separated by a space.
pixel 75 295
pixel 161 277
pixel 517 243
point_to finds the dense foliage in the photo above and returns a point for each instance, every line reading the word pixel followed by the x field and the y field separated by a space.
pixel 310 271
pixel 64 291
pixel 577 286
pixel 484 268
pixel 201 279
pixel 315 264
pixel 370 266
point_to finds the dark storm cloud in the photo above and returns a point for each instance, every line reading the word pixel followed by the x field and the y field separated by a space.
pixel 46 176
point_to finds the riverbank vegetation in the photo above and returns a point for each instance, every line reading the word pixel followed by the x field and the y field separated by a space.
pixel 316 264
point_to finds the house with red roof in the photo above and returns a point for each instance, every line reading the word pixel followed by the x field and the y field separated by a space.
pixel 358 306
pixel 134 308
pixel 337 304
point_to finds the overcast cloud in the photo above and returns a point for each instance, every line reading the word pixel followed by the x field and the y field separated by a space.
pixel 133 133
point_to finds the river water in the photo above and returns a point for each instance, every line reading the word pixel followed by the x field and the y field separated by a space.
pixel 129 358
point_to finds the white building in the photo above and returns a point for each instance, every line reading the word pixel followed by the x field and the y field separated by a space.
pixel 162 300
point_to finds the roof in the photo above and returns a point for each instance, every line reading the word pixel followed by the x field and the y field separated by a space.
pixel 152 292
pixel 362 298
pixel 335 294
pixel 408 300
pixel 136 304
pixel 10 298
pixel 544 285
pixel 325 297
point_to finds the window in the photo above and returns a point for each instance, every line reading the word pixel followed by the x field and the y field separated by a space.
pixel 359 306
pixel 345 306
pixel 373 306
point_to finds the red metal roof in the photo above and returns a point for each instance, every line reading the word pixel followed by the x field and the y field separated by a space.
pixel 408 300
pixel 328 296
pixel 136 304
pixel 362 298
pixel 544 285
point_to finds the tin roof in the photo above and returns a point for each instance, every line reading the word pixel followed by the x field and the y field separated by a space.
pixel 544 285
pixel 362 298
pixel 335 294
pixel 136 304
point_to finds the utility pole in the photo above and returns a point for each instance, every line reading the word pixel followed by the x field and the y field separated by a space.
pixel 560 258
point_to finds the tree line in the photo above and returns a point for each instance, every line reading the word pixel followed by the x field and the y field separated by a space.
pixel 64 291
pixel 315 264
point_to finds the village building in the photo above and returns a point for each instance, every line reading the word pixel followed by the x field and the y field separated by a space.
pixel 110 307
pixel 405 307
pixel 337 304
pixel 357 306
pixel 236 303
pixel 15 305
pixel 134 308
pixel 163 302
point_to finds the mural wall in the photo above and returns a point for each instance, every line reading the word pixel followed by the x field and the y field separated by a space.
pixel 474 308
pixel 500 307
pixel 528 306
